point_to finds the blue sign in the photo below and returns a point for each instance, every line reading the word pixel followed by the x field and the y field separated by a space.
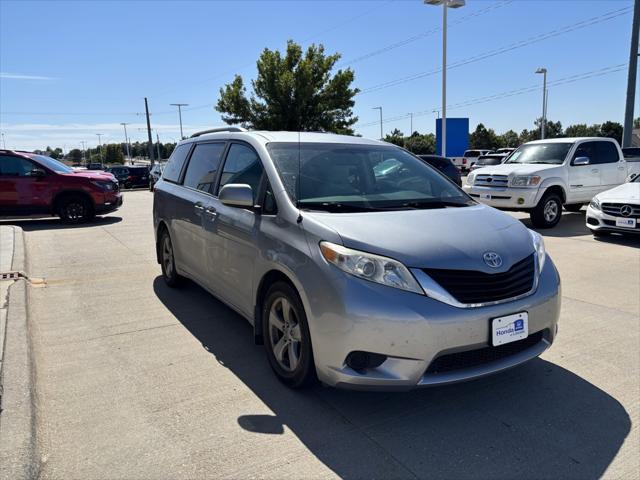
pixel 457 136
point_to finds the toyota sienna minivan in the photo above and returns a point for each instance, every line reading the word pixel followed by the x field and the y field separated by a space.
pixel 356 263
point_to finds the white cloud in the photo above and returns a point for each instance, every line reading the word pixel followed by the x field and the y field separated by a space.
pixel 20 76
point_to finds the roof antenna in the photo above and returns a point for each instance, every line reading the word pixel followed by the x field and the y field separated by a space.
pixel 299 219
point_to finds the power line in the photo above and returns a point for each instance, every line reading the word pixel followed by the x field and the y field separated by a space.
pixel 510 93
pixel 508 48
pixel 425 34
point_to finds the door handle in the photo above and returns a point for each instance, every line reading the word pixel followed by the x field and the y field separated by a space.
pixel 211 212
pixel 198 208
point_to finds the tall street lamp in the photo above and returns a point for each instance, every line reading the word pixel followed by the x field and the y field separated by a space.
pixel 411 130
pixel 126 141
pixel 446 4
pixel 100 144
pixel 380 108
pixel 543 127
pixel 180 105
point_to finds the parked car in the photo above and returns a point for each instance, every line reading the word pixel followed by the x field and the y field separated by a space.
pixel 154 174
pixel 469 158
pixel 95 166
pixel 616 210
pixel 131 176
pixel 505 151
pixel 444 165
pixel 631 154
pixel 541 177
pixel 488 160
pixel 360 276
pixel 33 184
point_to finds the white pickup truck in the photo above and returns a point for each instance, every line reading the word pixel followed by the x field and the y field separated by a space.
pixel 541 177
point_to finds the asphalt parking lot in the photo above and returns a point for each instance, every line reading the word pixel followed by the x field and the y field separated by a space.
pixel 135 380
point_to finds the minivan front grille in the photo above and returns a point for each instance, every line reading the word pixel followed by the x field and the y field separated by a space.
pixel 474 358
pixel 472 286
pixel 615 209
pixel 485 180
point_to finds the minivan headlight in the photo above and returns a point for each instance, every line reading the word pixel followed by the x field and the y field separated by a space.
pixel 538 245
pixel 525 181
pixel 368 266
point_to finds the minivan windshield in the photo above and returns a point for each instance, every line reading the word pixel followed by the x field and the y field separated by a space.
pixel 547 153
pixel 52 164
pixel 346 178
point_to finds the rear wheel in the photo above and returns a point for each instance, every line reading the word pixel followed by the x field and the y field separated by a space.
pixel 575 207
pixel 286 336
pixel 168 262
pixel 548 211
pixel 75 209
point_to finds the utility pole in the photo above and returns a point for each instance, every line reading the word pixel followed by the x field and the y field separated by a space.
pixel 411 130
pixel 631 80
pixel 543 125
pixel 180 105
pixel 146 109
pixel 126 141
pixel 100 146
pixel 380 108
pixel 84 148
pixel 158 145
pixel 4 142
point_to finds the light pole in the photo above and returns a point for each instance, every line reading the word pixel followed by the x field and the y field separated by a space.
pixel 4 142
pixel 543 126
pixel 126 141
pixel 627 133
pixel 180 105
pixel 380 108
pixel 411 130
pixel 100 145
pixel 84 149
pixel 446 4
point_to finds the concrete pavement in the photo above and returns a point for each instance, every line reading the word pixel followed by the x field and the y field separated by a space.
pixel 135 380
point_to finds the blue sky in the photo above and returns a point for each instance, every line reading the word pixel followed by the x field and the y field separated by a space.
pixel 72 69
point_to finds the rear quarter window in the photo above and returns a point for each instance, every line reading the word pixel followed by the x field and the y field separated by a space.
pixel 176 162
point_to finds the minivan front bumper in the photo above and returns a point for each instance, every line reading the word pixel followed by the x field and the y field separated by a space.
pixel 347 314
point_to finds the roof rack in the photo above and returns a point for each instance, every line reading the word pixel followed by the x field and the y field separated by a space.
pixel 219 129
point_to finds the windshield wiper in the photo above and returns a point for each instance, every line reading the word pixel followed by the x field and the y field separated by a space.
pixel 337 207
pixel 435 204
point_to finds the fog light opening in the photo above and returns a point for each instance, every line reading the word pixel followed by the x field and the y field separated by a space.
pixel 360 361
pixel 520 201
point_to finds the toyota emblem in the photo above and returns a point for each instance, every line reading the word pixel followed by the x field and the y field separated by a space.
pixel 492 259
pixel 626 210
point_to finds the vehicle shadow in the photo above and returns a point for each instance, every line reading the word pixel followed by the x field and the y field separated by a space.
pixel 54 223
pixel 535 421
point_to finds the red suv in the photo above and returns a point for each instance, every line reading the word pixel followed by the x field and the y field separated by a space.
pixel 34 184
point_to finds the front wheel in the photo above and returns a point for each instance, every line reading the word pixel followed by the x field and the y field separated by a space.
pixel 548 211
pixel 286 336
pixel 75 209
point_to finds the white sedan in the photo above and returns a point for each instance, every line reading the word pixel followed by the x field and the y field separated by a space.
pixel 616 210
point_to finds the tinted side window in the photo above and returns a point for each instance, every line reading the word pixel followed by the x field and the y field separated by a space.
pixel 175 163
pixel 203 166
pixel 15 166
pixel 242 166
pixel 606 153
pixel 586 149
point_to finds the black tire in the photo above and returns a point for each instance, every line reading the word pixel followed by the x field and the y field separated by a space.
pixel 167 261
pixel 127 185
pixel 74 209
pixel 548 212
pixel 574 207
pixel 304 372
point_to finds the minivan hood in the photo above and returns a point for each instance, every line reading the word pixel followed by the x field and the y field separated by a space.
pixel 515 169
pixel 450 238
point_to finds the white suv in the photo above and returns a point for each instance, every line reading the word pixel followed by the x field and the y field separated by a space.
pixel 542 176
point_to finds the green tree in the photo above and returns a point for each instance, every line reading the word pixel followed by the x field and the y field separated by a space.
pixel 509 139
pixel 113 154
pixel 483 138
pixel 552 129
pixel 636 122
pixel 421 144
pixel 75 155
pixel 582 130
pixel 611 130
pixel 293 92
pixel 396 137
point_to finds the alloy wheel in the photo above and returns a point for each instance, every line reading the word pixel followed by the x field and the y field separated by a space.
pixel 167 256
pixel 551 210
pixel 284 334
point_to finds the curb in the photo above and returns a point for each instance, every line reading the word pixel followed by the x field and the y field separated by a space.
pixel 17 414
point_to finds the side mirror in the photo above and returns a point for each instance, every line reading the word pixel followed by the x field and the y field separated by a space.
pixel 37 172
pixel 581 161
pixel 236 195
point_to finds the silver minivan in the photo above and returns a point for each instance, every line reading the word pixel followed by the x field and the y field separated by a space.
pixel 356 263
